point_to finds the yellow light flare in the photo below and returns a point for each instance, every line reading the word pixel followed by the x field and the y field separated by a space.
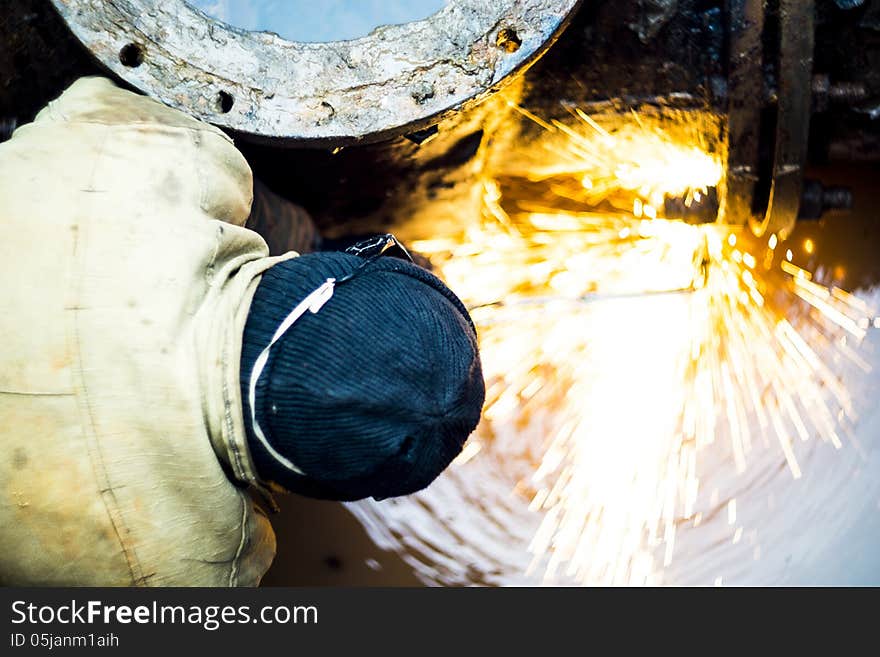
pixel 617 348
pixel 809 246
pixel 623 159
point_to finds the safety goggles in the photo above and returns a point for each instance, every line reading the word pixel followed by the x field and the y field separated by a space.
pixel 374 247
pixel 369 250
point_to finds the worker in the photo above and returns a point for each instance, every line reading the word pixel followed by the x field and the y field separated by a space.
pixel 161 375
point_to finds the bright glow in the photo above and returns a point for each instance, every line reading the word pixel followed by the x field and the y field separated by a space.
pixel 616 348
pixel 809 246
pixel 625 158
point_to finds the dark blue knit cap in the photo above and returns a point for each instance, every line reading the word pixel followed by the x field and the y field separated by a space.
pixel 373 395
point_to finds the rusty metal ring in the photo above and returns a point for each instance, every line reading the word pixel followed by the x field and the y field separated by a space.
pixel 397 79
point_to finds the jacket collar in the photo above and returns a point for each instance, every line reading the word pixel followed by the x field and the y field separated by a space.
pixel 218 335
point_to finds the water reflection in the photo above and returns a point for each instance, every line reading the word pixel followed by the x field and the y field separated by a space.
pixel 330 20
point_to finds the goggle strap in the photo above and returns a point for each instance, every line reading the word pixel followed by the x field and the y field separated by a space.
pixel 312 303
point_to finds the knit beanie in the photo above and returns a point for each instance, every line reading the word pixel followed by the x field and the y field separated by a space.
pixel 373 395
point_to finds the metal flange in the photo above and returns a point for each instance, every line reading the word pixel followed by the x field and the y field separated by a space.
pixel 397 79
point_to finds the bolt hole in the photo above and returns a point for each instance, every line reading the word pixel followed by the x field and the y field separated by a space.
pixel 131 55
pixel 224 101
pixel 508 40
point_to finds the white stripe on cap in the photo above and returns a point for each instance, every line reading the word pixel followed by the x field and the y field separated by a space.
pixel 313 303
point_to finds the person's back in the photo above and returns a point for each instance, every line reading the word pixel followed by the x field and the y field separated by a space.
pixel 119 270
pixel 128 280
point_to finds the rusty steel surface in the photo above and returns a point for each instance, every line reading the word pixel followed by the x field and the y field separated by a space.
pixel 398 79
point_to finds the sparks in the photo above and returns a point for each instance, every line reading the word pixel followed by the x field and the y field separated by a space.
pixel 617 347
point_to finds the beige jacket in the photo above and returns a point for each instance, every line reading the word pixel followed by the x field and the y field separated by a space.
pixel 126 280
